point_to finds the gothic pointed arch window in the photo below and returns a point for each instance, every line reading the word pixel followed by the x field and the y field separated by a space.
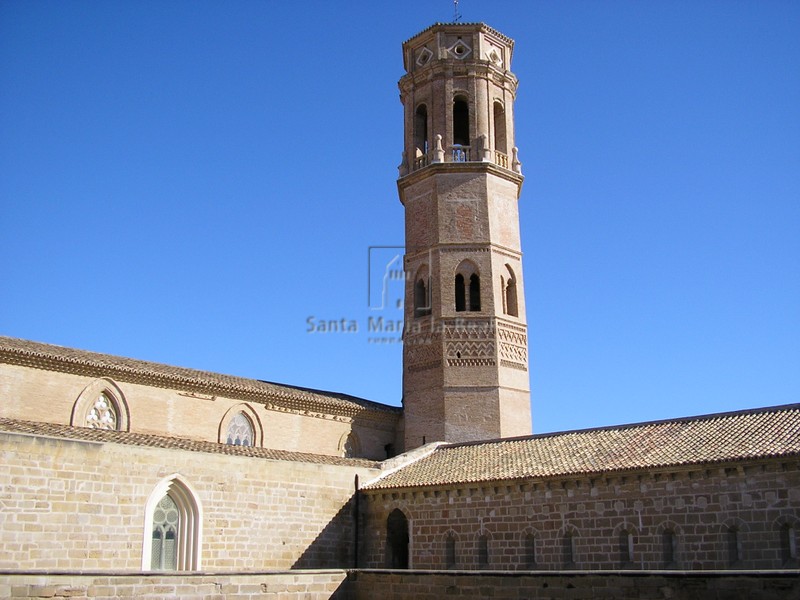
pixel 101 405
pixel 173 528
pixel 240 426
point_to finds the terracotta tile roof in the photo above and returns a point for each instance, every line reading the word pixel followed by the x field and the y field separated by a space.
pixel 751 434
pixel 157 441
pixel 82 362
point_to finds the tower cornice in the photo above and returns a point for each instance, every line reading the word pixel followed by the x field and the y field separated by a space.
pixel 452 168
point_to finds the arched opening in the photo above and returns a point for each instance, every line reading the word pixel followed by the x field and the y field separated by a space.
pixel 460 121
pixel 101 405
pixel 510 293
pixel 474 292
pixel 397 540
pixel 669 545
pixel 734 546
pixel 422 305
pixel 467 287
pixel 789 545
pixel 450 551
pixel 421 131
pixel 461 294
pixel 530 551
pixel 569 553
pixel 500 139
pixel 625 548
pixel 483 552
pixel 240 426
pixel 173 528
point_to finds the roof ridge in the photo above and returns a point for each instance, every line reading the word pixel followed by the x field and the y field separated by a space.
pixel 52 355
pixel 152 440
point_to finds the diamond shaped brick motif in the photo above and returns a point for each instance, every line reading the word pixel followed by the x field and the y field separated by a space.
pixel 460 50
pixel 423 57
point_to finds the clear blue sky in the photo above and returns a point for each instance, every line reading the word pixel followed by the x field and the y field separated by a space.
pixel 188 182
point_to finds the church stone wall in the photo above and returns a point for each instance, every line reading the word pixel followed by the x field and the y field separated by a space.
pixel 732 515
pixel 307 585
pixel 49 396
pixel 76 505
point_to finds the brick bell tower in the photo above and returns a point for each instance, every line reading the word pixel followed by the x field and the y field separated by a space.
pixel 465 353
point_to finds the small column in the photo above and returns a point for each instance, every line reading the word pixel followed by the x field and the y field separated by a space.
pixel 516 166
pixel 438 152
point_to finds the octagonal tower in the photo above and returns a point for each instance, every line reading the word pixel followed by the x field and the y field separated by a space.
pixel 465 357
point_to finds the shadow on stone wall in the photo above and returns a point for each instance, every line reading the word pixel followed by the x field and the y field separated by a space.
pixel 576 585
pixel 335 546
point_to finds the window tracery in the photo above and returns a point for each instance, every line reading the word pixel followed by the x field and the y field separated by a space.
pixel 102 414
pixel 240 431
pixel 164 551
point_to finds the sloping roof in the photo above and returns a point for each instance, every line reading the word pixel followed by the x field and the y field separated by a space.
pixel 742 435
pixel 82 362
pixel 158 441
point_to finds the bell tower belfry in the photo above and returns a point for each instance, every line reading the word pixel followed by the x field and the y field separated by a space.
pixel 465 353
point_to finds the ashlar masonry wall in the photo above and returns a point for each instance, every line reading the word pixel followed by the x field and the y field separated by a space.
pixel 77 505
pixel 734 515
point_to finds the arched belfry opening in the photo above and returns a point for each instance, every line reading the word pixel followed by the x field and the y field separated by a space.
pixel 421 139
pixel 397 540
pixel 460 121
pixel 500 137
pixel 467 288
pixel 422 294
pixel 509 287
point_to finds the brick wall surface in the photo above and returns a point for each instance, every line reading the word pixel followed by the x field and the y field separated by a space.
pixel 366 585
pixel 81 505
pixel 49 396
pixel 605 522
